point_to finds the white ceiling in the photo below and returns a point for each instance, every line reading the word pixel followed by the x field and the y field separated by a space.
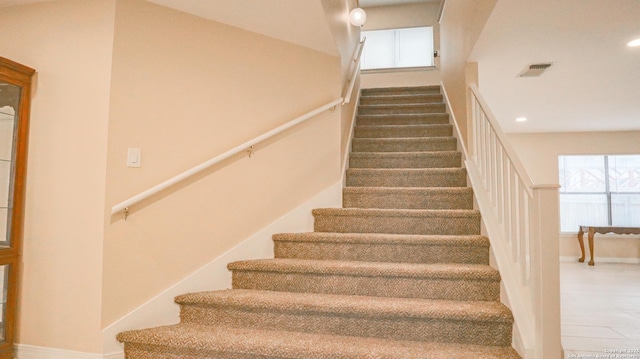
pixel 594 83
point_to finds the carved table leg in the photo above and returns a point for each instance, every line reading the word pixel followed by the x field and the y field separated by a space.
pixel 591 234
pixel 581 243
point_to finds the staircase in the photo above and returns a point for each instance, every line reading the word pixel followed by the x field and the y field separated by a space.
pixel 400 272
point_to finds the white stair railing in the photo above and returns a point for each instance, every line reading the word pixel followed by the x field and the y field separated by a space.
pixel 522 222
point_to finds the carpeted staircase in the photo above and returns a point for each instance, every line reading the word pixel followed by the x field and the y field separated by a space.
pixel 400 272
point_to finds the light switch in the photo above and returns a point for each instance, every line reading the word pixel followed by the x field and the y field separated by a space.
pixel 134 157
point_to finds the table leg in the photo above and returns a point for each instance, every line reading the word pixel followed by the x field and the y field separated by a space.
pixel 591 234
pixel 581 243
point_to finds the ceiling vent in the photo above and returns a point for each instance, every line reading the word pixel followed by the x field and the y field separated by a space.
pixel 534 70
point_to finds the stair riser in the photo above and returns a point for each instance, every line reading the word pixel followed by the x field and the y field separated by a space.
pixel 400 91
pixel 402 287
pixel 385 120
pixel 382 252
pixel 397 225
pixel 407 161
pixel 402 132
pixel 382 178
pixel 400 109
pixel 142 351
pixel 403 145
pixel 396 100
pixel 409 200
pixel 433 330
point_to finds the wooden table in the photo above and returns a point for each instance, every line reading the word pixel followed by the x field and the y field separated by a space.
pixel 591 230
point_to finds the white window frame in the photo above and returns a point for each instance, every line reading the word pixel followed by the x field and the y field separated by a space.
pixel 608 192
pixel 397 51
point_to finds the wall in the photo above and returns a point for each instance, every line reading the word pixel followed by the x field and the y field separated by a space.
pixel 539 153
pixel 410 15
pixel 69 44
pixel 461 24
pixel 183 94
pixel 346 38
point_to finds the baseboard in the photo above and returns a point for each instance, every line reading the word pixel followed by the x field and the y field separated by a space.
pixel 603 259
pixel 162 310
pixel 34 352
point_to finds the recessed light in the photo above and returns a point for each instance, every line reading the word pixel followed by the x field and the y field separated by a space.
pixel 634 43
pixel 521 119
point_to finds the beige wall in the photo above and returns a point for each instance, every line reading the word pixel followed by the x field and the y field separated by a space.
pixel 461 24
pixel 69 44
pixel 346 38
pixel 183 94
pixel 539 153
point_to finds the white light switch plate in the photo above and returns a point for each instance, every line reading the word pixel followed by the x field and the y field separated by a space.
pixel 134 157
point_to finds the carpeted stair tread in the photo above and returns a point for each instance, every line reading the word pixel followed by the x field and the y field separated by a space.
pixel 370 247
pixel 406 177
pixel 189 341
pixel 403 119
pixel 351 305
pixel 408 197
pixel 446 281
pixel 400 90
pixel 407 144
pixel 399 221
pixel 403 131
pixel 381 238
pixel 370 269
pixel 432 159
pixel 430 107
pixel 400 98
pixel 394 212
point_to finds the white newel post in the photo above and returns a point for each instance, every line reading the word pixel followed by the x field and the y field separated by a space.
pixel 545 271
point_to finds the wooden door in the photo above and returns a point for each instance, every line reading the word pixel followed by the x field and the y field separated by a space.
pixel 15 86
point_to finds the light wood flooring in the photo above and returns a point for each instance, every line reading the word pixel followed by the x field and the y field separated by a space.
pixel 600 310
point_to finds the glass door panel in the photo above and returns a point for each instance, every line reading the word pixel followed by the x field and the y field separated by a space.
pixel 9 107
pixel 15 86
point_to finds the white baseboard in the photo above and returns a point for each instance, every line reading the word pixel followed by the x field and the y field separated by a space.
pixel 35 352
pixel 602 259
pixel 162 310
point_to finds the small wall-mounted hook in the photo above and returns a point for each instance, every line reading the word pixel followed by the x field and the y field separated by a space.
pixel 125 212
pixel 250 151
pixel 333 109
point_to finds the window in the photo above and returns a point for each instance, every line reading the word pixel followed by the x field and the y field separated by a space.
pixel 599 191
pixel 397 48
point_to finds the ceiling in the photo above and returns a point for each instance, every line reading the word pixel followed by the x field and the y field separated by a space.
pixel 594 82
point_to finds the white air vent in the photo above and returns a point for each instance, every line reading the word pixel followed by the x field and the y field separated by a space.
pixel 534 70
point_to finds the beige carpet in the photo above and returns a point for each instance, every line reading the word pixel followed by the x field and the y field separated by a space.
pixel 401 271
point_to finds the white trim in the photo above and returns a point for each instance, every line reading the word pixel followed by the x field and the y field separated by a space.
pixel 602 260
pixel 24 351
pixel 345 156
pixel 162 310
